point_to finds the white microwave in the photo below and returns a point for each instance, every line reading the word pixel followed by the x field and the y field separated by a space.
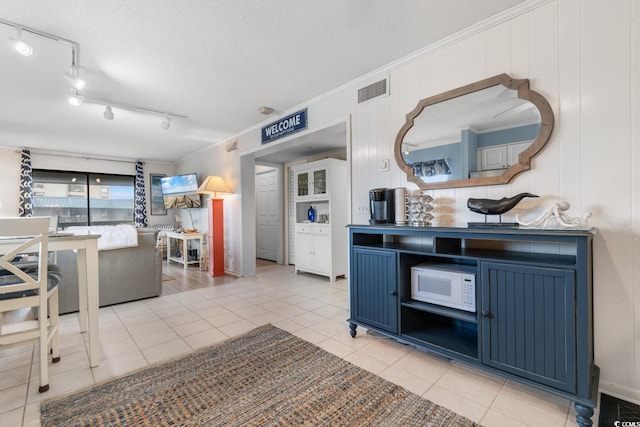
pixel 449 285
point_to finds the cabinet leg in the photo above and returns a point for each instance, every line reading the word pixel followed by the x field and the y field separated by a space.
pixel 352 327
pixel 584 414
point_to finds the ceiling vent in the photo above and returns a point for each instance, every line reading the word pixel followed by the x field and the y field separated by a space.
pixel 374 90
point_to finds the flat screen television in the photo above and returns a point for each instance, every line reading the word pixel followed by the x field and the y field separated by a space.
pixel 180 191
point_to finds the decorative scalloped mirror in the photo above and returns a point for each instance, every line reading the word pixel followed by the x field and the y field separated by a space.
pixel 484 133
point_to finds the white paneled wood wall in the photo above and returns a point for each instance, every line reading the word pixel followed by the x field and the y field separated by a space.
pixel 582 55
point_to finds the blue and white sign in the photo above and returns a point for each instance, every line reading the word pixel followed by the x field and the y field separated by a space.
pixel 285 126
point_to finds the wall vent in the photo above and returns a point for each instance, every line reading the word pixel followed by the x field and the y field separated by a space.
pixel 374 90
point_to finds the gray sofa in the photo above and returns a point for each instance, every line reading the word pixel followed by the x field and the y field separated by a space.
pixel 126 274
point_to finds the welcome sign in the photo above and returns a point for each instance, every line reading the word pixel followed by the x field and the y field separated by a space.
pixel 285 126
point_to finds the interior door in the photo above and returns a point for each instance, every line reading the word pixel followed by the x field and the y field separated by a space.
pixel 267 215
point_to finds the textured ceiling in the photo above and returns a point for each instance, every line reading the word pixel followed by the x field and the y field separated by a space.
pixel 215 61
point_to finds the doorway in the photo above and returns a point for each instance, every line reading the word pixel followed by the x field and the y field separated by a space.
pixel 332 141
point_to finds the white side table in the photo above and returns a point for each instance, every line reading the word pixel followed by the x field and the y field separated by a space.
pixel 184 237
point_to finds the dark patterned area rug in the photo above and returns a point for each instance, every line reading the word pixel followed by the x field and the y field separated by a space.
pixel 264 377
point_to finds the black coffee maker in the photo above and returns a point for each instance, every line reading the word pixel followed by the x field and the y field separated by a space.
pixel 381 206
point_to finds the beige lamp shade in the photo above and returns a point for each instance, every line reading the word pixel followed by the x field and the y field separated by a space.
pixel 214 185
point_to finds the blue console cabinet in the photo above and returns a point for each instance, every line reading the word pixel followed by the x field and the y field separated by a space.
pixel 533 321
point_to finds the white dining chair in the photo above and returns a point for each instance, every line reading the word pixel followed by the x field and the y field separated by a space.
pixel 27 281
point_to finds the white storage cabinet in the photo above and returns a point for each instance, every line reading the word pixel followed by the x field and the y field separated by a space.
pixel 321 246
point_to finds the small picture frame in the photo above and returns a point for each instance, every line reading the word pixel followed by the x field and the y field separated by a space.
pixel 157 199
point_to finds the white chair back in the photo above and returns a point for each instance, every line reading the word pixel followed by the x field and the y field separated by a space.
pixel 23 288
pixel 20 236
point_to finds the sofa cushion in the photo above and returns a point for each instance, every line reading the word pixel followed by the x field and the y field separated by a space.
pixel 111 236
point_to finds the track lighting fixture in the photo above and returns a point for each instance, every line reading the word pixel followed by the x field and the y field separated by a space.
pixel 108 113
pixel 19 45
pixel 110 103
pixel 74 79
pixel 77 83
pixel 166 123
pixel 74 99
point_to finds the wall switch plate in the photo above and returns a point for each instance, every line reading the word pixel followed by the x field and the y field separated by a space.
pixel 383 165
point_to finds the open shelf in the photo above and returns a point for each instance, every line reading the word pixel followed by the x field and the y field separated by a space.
pixel 514 256
pixel 466 316
pixel 321 206
pixel 448 333
pixel 180 260
pixel 416 248
pixel 535 247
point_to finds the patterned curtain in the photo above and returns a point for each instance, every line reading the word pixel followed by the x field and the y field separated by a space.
pixel 140 203
pixel 25 207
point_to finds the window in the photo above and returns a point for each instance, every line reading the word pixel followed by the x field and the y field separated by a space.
pixel 81 198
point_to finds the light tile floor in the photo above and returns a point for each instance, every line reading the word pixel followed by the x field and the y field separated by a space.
pixel 137 334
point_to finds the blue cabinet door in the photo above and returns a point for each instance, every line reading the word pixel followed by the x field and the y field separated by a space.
pixel 374 293
pixel 528 323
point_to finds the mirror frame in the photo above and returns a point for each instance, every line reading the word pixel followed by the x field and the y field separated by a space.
pixel 524 159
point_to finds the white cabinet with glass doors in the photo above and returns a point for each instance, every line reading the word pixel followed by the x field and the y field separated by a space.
pixel 321 242
pixel 311 183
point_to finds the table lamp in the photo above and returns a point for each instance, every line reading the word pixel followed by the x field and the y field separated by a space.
pixel 215 185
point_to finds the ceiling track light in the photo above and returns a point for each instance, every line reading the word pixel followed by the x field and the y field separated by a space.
pixel 108 113
pixel 76 82
pixel 19 45
pixel 74 99
pixel 26 49
pixel 74 79
pixel 110 103
pixel 127 106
